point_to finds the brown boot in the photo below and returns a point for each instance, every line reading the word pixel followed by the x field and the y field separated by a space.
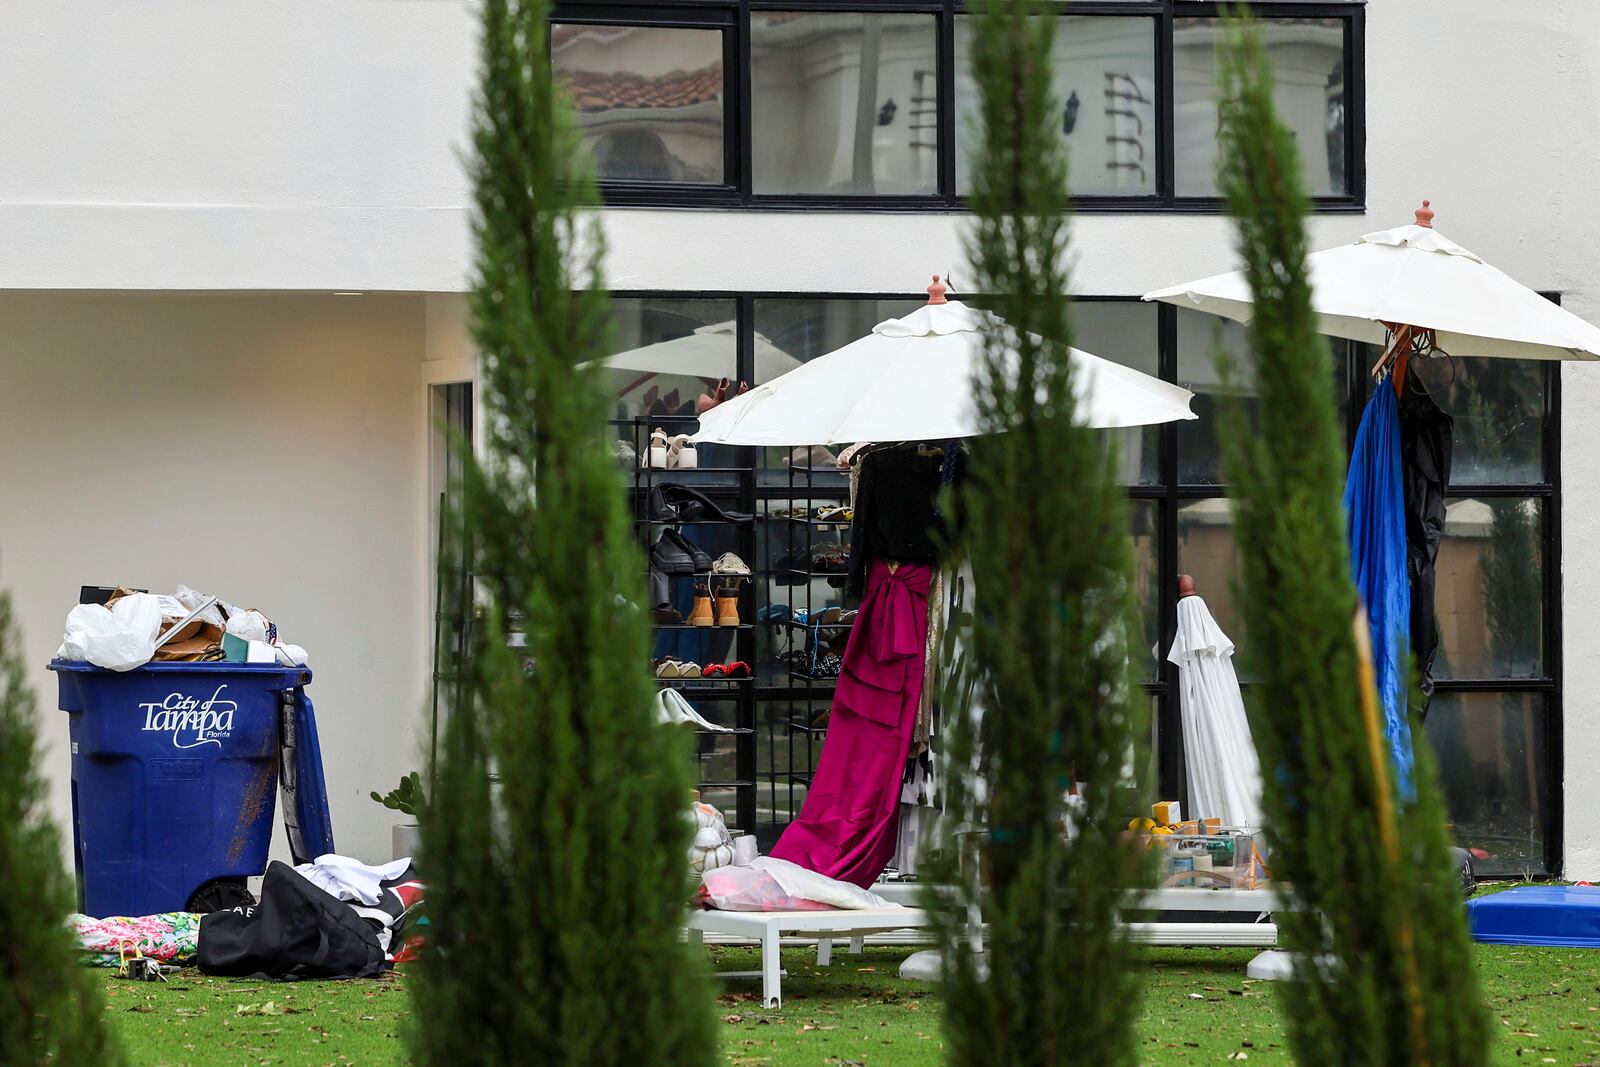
pixel 701 614
pixel 728 610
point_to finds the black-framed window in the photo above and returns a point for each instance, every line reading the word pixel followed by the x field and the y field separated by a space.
pixel 1495 722
pixel 805 104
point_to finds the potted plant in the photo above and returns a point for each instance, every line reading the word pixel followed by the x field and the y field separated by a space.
pixel 406 798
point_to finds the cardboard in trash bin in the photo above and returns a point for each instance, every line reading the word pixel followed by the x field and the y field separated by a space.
pixel 197 641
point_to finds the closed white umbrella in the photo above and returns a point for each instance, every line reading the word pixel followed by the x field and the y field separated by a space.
pixel 1224 776
pixel 1421 291
pixel 911 379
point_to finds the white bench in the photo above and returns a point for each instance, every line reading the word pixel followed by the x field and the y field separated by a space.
pixel 768 928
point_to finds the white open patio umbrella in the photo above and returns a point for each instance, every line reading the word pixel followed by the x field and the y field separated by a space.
pixel 708 353
pixel 1419 291
pixel 911 379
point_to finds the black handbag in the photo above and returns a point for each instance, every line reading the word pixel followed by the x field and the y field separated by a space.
pixel 297 931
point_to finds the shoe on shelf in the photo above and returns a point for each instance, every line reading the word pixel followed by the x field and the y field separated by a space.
pixel 681 454
pixel 731 565
pixel 674 554
pixel 713 670
pixel 667 667
pixel 665 615
pixel 737 669
pixel 773 613
pixel 728 610
pixel 656 454
pixel 701 614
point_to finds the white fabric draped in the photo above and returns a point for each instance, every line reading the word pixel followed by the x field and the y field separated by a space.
pixel 1224 776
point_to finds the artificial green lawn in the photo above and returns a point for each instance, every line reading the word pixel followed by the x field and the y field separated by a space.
pixel 1198 1008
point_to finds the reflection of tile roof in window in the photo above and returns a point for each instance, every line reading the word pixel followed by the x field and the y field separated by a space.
pixel 594 91
pixel 563 34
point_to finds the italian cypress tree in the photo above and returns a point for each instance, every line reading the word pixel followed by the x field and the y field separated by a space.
pixel 1386 976
pixel 50 1007
pixel 553 840
pixel 1040 696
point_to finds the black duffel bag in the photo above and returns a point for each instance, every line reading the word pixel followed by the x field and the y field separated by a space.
pixel 297 931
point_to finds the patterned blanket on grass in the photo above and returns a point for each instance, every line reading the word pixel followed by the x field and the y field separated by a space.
pixel 171 937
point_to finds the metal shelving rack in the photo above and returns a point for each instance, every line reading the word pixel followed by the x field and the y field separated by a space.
pixel 725 761
pixel 777 714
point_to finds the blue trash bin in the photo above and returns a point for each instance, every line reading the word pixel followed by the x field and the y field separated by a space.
pixel 175 767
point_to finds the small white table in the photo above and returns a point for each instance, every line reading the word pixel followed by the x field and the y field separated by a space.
pixel 1197 901
pixel 769 927
pixel 1201 901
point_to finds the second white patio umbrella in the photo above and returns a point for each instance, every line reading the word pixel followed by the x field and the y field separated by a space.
pixel 911 379
pixel 1418 290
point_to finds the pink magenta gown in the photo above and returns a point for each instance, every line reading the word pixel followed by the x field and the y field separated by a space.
pixel 847 825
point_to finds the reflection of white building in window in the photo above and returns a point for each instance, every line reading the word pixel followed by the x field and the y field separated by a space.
pixel 835 103
pixel 1307 57
pixel 1105 84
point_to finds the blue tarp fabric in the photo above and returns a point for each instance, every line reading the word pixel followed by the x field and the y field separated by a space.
pixel 1374 503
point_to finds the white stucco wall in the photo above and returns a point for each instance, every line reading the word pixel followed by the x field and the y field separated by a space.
pixel 269 449
pixel 315 145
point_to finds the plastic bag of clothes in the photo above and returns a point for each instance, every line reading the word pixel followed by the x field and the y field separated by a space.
pixel 770 884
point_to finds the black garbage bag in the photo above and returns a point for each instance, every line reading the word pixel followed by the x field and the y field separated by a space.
pixel 1426 435
pixel 297 931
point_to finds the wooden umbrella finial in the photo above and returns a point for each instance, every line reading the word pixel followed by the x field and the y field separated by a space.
pixel 1425 215
pixel 1186 587
pixel 936 291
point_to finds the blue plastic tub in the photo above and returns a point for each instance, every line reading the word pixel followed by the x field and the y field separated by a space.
pixel 1565 916
pixel 174 774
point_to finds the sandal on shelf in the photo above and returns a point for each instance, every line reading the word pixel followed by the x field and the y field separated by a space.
pixel 713 670
pixel 681 454
pixel 656 454
pixel 689 670
pixel 668 668
pixel 737 669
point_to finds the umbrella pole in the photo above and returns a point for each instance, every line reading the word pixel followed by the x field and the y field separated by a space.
pixel 1396 355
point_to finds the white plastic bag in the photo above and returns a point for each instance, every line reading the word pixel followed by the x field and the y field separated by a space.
pixel 747 889
pixel 118 638
pixel 248 625
pixel 190 599
pixel 712 846
pixel 809 885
